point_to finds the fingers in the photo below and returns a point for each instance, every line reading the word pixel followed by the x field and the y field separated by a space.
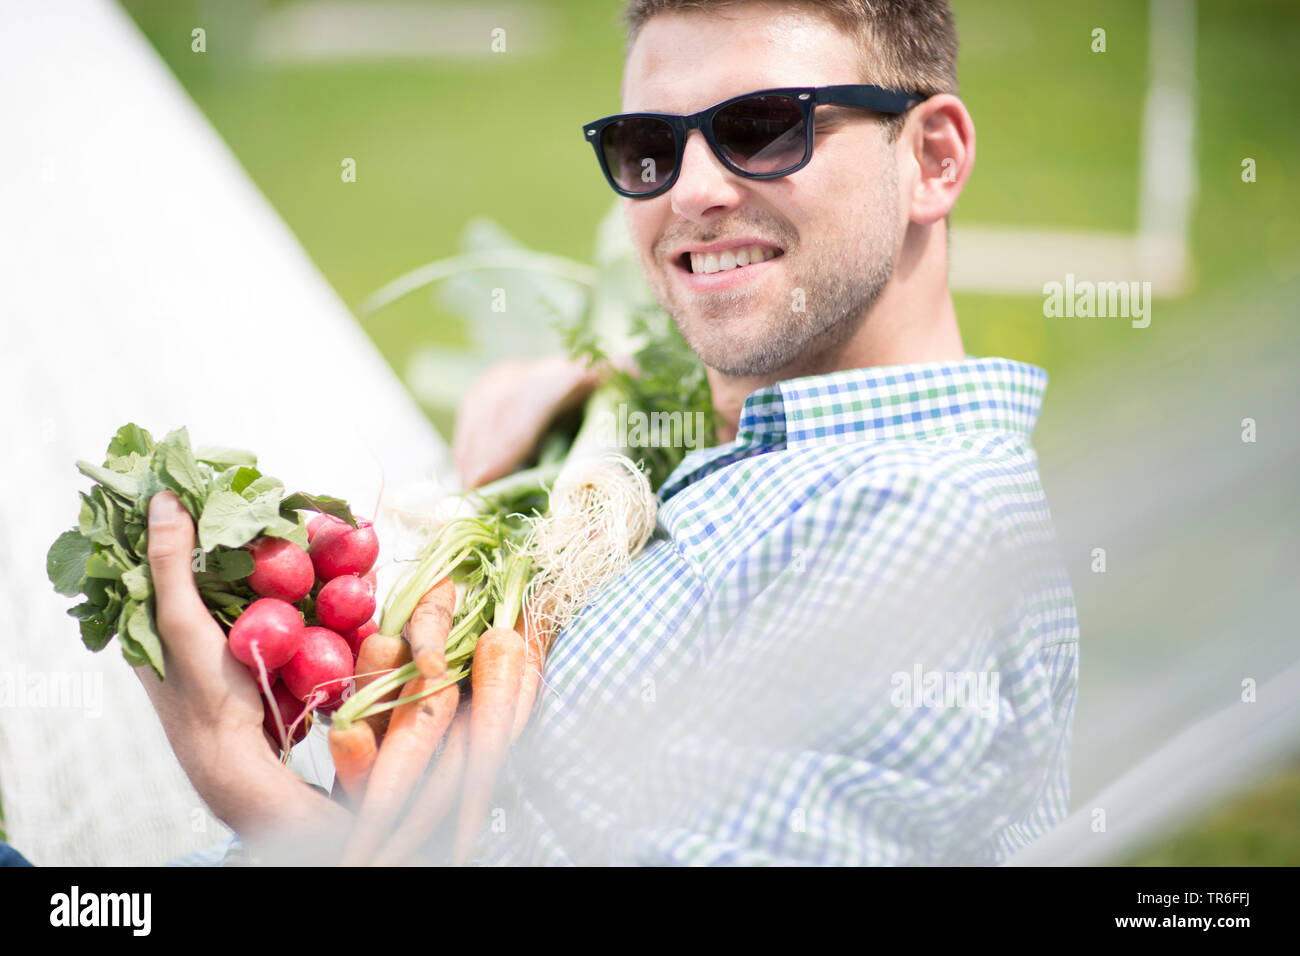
pixel 625 362
pixel 497 424
pixel 460 438
pixel 468 449
pixel 487 463
pixel 508 410
pixel 171 548
pixel 478 445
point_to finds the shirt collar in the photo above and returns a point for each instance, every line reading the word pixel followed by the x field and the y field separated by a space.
pixel 917 402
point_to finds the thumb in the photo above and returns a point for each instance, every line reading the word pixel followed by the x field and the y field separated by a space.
pixel 171 545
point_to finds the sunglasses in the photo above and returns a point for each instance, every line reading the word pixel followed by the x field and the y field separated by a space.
pixel 763 135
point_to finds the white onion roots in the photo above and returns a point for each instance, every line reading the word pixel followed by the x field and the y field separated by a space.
pixel 602 512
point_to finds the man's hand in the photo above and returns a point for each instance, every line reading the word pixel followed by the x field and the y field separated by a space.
pixel 508 409
pixel 209 704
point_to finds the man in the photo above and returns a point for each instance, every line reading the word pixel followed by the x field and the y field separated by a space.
pixel 849 640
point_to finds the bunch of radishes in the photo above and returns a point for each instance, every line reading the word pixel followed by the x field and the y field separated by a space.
pixel 300 638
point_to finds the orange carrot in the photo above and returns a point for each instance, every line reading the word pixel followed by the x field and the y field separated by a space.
pixel 537 645
pixel 380 654
pixel 428 628
pixel 353 749
pixel 435 799
pixel 495 675
pixel 412 737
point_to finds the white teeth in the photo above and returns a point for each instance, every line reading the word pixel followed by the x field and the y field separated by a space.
pixel 707 263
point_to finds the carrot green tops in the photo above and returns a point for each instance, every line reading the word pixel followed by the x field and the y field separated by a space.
pixel 850 641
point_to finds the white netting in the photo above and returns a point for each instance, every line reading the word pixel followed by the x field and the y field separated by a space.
pixel 144 279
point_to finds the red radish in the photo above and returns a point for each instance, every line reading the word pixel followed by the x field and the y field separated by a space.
pixel 345 602
pixel 319 674
pixel 357 635
pixel 281 570
pixel 290 710
pixel 322 520
pixel 339 549
pixel 270 629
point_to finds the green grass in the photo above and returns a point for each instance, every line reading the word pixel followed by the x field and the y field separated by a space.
pixel 1057 125
pixel 434 146
pixel 1058 129
pixel 1258 829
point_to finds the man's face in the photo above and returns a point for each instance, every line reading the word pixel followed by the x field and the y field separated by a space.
pixel 837 223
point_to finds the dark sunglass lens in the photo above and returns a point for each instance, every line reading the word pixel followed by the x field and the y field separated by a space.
pixel 640 153
pixel 763 134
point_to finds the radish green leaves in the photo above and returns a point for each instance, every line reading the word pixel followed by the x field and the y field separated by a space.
pixel 104 559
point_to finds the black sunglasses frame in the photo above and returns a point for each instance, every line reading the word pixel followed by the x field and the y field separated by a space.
pixel 859 95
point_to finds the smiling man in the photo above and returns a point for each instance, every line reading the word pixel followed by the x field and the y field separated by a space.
pixel 850 639
pixel 858 232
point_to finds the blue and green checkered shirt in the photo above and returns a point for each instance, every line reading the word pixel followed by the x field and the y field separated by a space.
pixel 849 641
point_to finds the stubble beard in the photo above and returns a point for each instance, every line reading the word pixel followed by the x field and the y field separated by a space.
pixel 839 288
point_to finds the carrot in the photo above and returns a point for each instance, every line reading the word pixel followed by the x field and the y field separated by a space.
pixel 412 737
pixel 534 659
pixel 353 749
pixel 495 675
pixel 428 628
pixel 434 800
pixel 380 654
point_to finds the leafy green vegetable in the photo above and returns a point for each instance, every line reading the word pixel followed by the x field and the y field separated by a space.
pixel 230 565
pixel 105 557
pixel 258 486
pixel 137 583
pixel 291 529
pixel 66 562
pixel 123 485
pixel 670 379
pixel 142 631
pixel 299 501
pixel 131 439
pixel 219 457
pixel 597 312
pixel 175 465
pixel 232 520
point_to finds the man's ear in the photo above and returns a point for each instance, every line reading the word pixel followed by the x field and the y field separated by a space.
pixel 940 137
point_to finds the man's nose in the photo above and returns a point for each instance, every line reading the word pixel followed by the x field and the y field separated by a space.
pixel 703 185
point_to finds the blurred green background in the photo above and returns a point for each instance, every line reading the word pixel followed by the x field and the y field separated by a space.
pixel 440 142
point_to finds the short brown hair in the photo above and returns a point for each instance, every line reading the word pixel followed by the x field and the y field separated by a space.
pixel 906 44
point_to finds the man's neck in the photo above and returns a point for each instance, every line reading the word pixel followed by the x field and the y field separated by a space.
pixel 912 321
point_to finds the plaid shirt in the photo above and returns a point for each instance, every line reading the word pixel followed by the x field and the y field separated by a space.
pixel 849 641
